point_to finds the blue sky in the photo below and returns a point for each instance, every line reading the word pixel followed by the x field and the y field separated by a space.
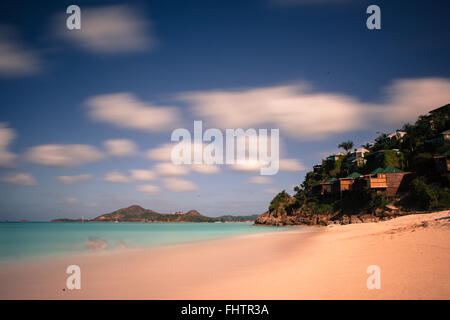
pixel 136 71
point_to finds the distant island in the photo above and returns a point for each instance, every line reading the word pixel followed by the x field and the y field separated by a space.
pixel 136 213
pixel 402 172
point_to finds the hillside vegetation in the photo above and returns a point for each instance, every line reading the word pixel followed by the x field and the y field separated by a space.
pixel 410 149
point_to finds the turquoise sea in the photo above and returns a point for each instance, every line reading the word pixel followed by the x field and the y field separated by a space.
pixel 20 240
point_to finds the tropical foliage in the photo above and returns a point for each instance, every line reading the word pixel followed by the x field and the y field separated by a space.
pixel 411 151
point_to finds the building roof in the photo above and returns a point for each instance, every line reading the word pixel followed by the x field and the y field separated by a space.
pixel 362 149
pixel 391 169
pixel 440 109
pixel 331 180
pixel 335 155
pixel 446 132
pixel 354 175
pixel 377 170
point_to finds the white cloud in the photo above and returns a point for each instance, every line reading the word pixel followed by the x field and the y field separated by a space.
pixel 124 110
pixel 74 179
pixel 148 188
pixel 15 59
pixel 142 175
pixel 135 175
pixel 301 113
pixel 291 165
pixel 247 166
pixel 294 109
pixel 161 153
pixel 250 166
pixel 120 147
pixel 63 155
pixel 164 151
pixel 408 98
pixel 91 205
pixel 110 29
pixel 116 177
pixel 70 200
pixel 23 179
pixel 271 191
pixel 7 135
pixel 260 180
pixel 170 169
pixel 205 168
pixel 179 185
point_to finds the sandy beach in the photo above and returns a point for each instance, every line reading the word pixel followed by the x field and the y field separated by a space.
pixel 413 253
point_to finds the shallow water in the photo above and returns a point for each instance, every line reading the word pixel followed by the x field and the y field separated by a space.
pixel 40 239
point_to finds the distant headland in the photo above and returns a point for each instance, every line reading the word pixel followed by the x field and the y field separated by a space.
pixel 136 213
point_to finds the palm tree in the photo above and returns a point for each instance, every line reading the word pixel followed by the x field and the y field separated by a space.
pixel 367 146
pixel 381 138
pixel 410 138
pixel 347 146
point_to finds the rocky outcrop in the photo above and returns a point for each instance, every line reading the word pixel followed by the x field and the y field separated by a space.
pixel 230 218
pixel 279 217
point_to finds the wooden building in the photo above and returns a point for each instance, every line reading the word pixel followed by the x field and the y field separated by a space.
pixel 390 181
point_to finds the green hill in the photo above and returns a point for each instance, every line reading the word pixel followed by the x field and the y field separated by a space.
pixel 136 213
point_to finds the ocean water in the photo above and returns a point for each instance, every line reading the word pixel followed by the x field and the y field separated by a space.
pixel 43 239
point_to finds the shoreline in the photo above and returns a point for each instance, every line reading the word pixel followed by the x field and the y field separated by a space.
pixel 140 249
pixel 413 253
pixel 94 252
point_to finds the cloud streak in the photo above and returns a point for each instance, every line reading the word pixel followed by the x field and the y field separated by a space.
pixel 7 135
pixel 15 59
pixel 304 114
pixel 170 169
pixel 74 179
pixel 260 180
pixel 120 147
pixel 22 179
pixel 116 177
pixel 293 109
pixel 63 155
pixel 148 188
pixel 142 175
pixel 124 110
pixel 110 29
pixel 179 185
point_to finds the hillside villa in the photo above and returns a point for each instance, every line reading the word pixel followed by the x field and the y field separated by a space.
pixel 389 181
